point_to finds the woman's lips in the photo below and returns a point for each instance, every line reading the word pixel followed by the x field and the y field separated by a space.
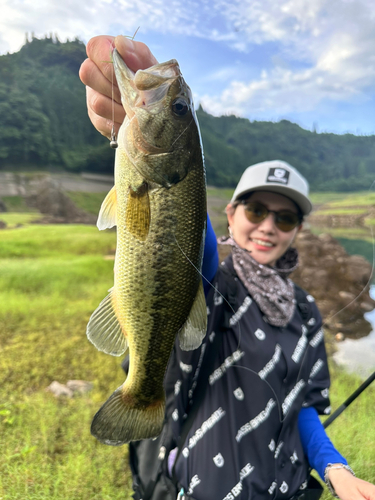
pixel 262 244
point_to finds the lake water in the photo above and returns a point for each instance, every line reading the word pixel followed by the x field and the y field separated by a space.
pixel 358 356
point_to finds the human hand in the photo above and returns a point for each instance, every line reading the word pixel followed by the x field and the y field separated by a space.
pixel 97 74
pixel 349 487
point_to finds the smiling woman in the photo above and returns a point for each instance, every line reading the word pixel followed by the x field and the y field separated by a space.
pixel 265 239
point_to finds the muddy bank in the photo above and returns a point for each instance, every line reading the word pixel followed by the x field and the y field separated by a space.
pixel 338 282
pixel 56 206
pixel 351 216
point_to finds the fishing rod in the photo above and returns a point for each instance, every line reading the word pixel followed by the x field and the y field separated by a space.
pixel 350 400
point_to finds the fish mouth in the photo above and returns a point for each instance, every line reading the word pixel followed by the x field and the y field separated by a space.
pixel 145 88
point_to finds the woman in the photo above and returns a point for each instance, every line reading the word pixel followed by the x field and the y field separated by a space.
pixel 256 431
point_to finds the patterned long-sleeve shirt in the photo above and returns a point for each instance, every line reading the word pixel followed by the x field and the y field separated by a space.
pixel 245 442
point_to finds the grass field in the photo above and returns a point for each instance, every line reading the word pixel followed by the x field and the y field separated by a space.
pixel 358 203
pixel 51 279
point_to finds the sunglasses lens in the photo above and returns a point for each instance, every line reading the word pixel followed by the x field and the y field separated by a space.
pixel 255 212
pixel 286 221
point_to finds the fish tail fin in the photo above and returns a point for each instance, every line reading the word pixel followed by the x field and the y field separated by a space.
pixel 122 419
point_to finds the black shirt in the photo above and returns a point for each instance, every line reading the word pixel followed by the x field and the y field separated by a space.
pixel 244 442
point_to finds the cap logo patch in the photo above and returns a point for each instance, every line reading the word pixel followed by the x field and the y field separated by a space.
pixel 279 175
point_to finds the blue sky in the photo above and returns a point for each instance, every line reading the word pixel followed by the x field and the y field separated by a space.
pixel 309 61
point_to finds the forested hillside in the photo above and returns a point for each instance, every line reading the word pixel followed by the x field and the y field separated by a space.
pixel 42 107
pixel 44 124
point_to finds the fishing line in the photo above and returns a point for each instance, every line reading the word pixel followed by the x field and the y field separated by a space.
pixel 212 286
pixel 113 144
pixel 185 129
pixel 281 419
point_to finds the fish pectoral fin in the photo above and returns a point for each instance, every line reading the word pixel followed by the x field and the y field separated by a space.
pixel 194 329
pixel 104 329
pixel 138 214
pixel 107 215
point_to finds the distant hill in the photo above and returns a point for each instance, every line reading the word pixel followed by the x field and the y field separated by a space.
pixel 44 124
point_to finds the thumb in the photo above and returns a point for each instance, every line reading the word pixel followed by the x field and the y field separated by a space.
pixel 136 55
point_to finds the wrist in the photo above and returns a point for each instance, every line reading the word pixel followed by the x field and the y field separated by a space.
pixel 333 472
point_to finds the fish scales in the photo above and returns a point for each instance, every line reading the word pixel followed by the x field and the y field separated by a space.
pixel 159 206
pixel 161 306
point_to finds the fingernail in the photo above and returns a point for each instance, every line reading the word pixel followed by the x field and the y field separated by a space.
pixel 124 44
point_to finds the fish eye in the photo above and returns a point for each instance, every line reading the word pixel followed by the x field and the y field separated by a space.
pixel 180 107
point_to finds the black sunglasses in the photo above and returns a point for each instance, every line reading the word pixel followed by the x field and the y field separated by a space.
pixel 284 219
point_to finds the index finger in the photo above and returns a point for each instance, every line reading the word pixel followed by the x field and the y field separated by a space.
pixel 135 54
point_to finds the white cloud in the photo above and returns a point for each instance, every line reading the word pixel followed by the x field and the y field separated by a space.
pixel 88 18
pixel 281 91
pixel 333 39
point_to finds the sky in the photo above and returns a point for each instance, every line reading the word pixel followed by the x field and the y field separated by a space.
pixel 308 61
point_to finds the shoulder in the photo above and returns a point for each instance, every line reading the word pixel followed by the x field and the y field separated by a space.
pixel 227 279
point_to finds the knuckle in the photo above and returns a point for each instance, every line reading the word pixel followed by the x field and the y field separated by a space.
pixel 96 102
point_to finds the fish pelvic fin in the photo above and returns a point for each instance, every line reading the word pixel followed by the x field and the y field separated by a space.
pixel 122 419
pixel 107 215
pixel 138 214
pixel 104 329
pixel 194 329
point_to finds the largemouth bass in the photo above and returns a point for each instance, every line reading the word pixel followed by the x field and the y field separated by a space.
pixel 159 206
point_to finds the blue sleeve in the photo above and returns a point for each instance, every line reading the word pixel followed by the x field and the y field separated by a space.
pixel 210 257
pixel 316 444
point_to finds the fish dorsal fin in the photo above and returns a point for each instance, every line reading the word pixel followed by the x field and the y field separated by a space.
pixel 138 212
pixel 193 331
pixel 107 215
pixel 104 329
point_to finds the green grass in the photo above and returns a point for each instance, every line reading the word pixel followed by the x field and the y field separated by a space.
pixel 364 198
pixel 13 219
pixel 16 204
pixel 342 211
pixel 51 280
pixel 40 241
pixel 353 433
pixel 343 199
pixel 89 202
pixel 217 200
pixel 319 198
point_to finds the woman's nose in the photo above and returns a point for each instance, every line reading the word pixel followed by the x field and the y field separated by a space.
pixel 268 224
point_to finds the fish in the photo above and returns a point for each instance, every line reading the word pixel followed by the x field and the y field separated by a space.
pixel 158 204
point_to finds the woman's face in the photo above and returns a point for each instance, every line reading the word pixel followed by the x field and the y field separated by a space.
pixel 264 240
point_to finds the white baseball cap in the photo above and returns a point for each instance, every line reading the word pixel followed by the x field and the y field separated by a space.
pixel 278 177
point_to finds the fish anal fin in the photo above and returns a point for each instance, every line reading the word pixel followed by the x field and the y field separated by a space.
pixel 107 215
pixel 104 329
pixel 138 212
pixel 194 329
pixel 121 420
